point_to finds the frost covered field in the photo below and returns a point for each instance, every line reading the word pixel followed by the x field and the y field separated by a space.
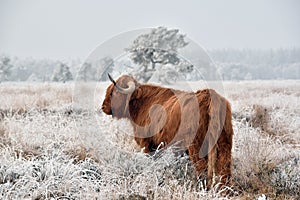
pixel 56 146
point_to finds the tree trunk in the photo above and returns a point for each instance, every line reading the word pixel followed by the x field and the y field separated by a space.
pixel 145 68
pixel 153 65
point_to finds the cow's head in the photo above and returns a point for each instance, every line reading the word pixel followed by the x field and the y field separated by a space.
pixel 118 95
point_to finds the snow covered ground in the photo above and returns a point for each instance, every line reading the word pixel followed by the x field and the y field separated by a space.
pixel 56 143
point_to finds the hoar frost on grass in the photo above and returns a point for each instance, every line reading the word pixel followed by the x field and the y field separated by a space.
pixel 263 164
pixel 43 159
pixel 54 150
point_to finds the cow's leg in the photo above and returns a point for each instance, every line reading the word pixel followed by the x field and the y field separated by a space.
pixel 200 164
pixel 144 144
pixel 224 159
pixel 211 169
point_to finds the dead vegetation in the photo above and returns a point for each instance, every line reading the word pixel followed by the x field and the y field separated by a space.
pixel 58 151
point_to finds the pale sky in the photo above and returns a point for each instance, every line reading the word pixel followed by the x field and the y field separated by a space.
pixel 65 29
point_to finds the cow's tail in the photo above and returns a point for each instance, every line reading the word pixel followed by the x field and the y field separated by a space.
pixel 217 116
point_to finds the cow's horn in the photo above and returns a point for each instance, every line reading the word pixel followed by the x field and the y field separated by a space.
pixel 129 90
pixel 111 79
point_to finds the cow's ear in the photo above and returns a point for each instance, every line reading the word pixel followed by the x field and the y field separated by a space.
pixel 138 93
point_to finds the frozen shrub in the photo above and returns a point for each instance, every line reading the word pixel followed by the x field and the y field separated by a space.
pixel 260 117
pixel 286 178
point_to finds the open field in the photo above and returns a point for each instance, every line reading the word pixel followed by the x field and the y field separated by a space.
pixel 55 143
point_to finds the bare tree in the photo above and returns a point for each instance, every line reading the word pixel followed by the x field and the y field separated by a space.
pixel 5 68
pixel 105 66
pixel 62 73
pixel 86 72
pixel 157 48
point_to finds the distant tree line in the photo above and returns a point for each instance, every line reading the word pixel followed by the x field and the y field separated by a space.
pixel 153 57
pixel 257 64
pixel 34 70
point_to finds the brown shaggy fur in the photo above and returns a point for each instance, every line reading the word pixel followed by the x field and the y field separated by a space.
pixel 199 122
